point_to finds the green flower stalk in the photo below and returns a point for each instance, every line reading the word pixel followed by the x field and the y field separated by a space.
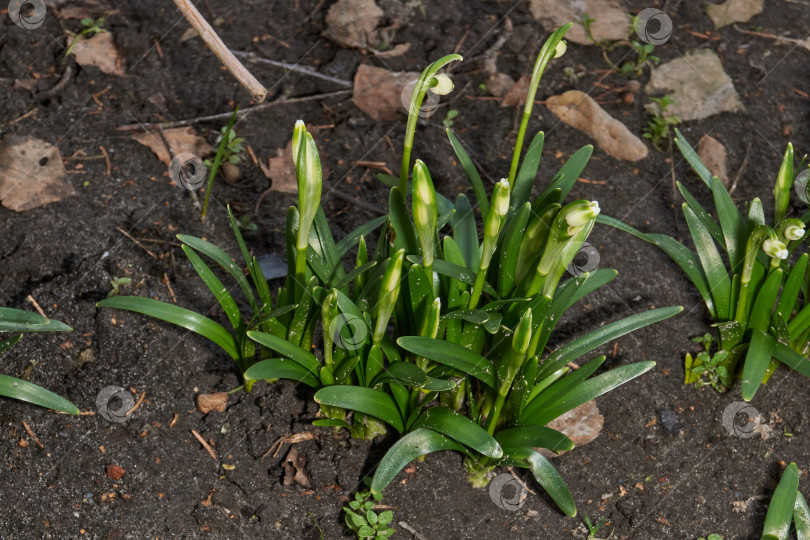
pixel 310 181
pixel 425 213
pixel 783 185
pixel 389 293
pixel 758 237
pixel 441 85
pixel 534 240
pixel 521 340
pixel 790 230
pixel 492 229
pixel 329 311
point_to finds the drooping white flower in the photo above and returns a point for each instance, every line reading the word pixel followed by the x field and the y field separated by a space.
pixel 580 217
pixel 562 46
pixel 794 232
pixel 775 249
pixel 443 86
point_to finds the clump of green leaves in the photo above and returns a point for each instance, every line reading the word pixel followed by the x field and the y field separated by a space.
pixel 658 127
pixel 89 26
pixel 18 321
pixel 706 368
pixel 755 286
pixel 644 56
pixel 363 520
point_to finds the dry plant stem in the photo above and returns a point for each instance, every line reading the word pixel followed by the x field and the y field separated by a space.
pixel 224 116
pixel 210 37
pixel 292 67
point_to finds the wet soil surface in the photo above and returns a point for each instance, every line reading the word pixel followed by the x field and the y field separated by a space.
pixel 664 466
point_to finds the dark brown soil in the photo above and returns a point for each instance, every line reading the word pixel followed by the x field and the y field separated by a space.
pixel 650 482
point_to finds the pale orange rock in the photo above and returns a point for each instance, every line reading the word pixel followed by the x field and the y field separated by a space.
pixel 217 401
pixel 713 154
pixel 582 425
pixel 31 174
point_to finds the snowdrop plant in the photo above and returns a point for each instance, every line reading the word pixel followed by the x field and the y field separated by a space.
pixel 752 276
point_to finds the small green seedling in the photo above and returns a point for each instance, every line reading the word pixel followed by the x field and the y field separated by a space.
pixel 658 127
pixel 712 537
pixel 644 58
pixel 451 115
pixel 116 283
pixel 705 368
pixel 363 520
pixel 229 151
pixel 89 26
pixel 594 529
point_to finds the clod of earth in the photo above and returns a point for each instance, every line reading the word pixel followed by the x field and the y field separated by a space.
pixel 610 18
pixel 31 172
pixel 697 84
pixel 581 112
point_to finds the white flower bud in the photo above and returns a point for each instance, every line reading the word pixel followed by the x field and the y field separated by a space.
pixel 500 197
pixel 444 85
pixel 580 217
pixel 298 132
pixel 794 232
pixel 775 249
pixel 562 46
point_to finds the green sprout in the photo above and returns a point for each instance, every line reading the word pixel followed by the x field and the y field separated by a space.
pixel 449 118
pixel 706 368
pixel 593 529
pixel 18 321
pixel 658 127
pixel 89 26
pixel 229 151
pixel 363 520
pixel 116 283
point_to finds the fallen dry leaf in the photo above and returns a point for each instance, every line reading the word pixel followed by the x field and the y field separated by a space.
pixel 217 401
pixel 352 22
pixel 713 154
pixel 581 112
pixel 582 425
pixel 181 140
pixel 733 11
pixel 31 173
pixel 697 84
pixel 516 95
pixel 378 92
pixel 99 51
pixel 611 22
pixel 281 171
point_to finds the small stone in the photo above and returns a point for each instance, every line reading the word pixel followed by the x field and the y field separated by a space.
pixel 669 421
pixel 116 472
pixel 217 401
pixel 352 22
pixel 713 154
pixel 231 172
pixel 85 357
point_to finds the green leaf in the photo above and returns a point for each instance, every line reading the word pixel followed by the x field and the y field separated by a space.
pixel 524 180
pixel 451 354
pixel 472 173
pixel 702 215
pixel 731 223
pixel 364 400
pixel 762 311
pixel 351 239
pixel 690 264
pixel 345 280
pixel 801 517
pixel 6 344
pixel 215 286
pixel 793 284
pixel 18 320
pixel 281 368
pixel 588 390
pixel 760 351
pixel 438 385
pixel 692 158
pixel 510 249
pixel 418 442
pixel 573 350
pixel 225 261
pixel 461 429
pixel 331 422
pixel 405 373
pixel 401 222
pixel 548 477
pixel 176 315
pixel 792 359
pixel 454 271
pixel 465 234
pixel 31 393
pixel 569 173
pixel 780 510
pixel 284 347
pixel 533 437
pixel 386 517
pixel 712 264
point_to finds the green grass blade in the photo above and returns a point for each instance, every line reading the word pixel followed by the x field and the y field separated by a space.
pixel 31 393
pixel 731 223
pixel 401 222
pixel 780 510
pixel 364 400
pixel 548 477
pixel 524 181
pixel 692 158
pixel 345 280
pixel 760 351
pixel 793 284
pixel 224 260
pixel 472 173
pixel 570 171
pixel 712 264
pixel 19 320
pixel 766 299
pixel 792 359
pixel 689 262
pixel 461 429
pixel 6 344
pixel 281 368
pixel 702 215
pixel 284 347
pixel 510 249
pixel 801 518
pixel 622 226
pixel 418 442
pixel 573 350
pixel 451 354
pixel 215 286
pixel 178 316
